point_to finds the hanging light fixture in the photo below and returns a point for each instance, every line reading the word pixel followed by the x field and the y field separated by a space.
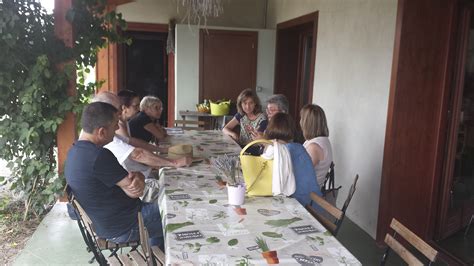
pixel 200 10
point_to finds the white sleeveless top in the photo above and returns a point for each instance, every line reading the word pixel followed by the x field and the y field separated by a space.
pixel 322 167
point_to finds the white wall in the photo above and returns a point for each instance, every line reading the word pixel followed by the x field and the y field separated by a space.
pixel 352 78
pixel 187 64
pixel 237 13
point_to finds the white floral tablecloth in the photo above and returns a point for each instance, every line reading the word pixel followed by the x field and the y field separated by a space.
pixel 202 229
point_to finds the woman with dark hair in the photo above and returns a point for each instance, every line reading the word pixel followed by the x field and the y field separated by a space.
pixel 281 130
pixel 317 144
pixel 249 117
pixel 130 102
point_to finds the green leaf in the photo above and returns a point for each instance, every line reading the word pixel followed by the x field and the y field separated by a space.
pixel 47 74
pixel 213 239
pixel 233 242
pixel 282 222
pixel 29 169
pixel 212 201
pixel 175 226
pixel 272 234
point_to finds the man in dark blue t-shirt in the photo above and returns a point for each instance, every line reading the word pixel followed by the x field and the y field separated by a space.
pixel 108 193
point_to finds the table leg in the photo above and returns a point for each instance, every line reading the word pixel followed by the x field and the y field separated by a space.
pixel 468 226
pixel 215 126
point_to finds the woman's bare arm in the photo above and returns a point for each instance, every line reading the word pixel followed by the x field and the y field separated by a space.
pixel 229 129
pixel 156 130
pixel 315 152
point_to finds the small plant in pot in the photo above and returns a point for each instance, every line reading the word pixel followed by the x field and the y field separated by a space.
pixel 269 255
pixel 228 166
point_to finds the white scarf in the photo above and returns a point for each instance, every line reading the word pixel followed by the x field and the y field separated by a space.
pixel 283 181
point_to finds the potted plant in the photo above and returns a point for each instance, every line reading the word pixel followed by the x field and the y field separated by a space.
pixel 227 165
pixel 269 255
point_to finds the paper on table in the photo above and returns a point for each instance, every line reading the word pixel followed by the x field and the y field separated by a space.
pixel 174 130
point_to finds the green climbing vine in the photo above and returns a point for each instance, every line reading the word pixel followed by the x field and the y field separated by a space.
pixel 35 70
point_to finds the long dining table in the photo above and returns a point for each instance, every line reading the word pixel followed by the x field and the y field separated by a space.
pixel 201 228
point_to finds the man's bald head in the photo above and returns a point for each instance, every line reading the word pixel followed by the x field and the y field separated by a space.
pixel 108 97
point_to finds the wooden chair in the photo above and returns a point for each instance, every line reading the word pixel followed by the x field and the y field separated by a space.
pixel 96 244
pixel 411 238
pixel 190 124
pixel 332 225
pixel 146 256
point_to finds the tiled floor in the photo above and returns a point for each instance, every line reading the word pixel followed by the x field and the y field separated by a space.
pixel 57 241
pixel 461 245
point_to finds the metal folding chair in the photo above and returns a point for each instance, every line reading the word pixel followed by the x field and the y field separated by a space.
pixel 338 214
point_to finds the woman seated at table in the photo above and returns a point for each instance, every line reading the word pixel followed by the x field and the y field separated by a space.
pixel 249 116
pixel 145 124
pixel 317 144
pixel 281 130
pixel 130 106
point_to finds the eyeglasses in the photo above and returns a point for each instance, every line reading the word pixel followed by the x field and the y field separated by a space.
pixel 272 110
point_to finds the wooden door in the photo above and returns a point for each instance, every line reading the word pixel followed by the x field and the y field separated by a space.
pixel 416 117
pixel 457 193
pixel 295 59
pixel 228 63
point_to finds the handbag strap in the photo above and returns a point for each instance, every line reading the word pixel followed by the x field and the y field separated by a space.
pixel 264 165
pixel 265 141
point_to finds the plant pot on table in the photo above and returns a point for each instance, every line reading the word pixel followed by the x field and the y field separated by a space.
pixel 236 194
pixel 271 257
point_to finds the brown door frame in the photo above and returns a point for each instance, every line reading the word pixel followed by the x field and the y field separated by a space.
pixel 294 23
pixel 202 32
pixel 162 28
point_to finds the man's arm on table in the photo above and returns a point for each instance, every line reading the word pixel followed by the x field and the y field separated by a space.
pixel 150 159
pixel 133 184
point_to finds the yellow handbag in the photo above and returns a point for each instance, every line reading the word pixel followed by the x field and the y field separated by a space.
pixel 257 172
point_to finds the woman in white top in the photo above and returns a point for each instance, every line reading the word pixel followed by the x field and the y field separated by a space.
pixel 316 133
